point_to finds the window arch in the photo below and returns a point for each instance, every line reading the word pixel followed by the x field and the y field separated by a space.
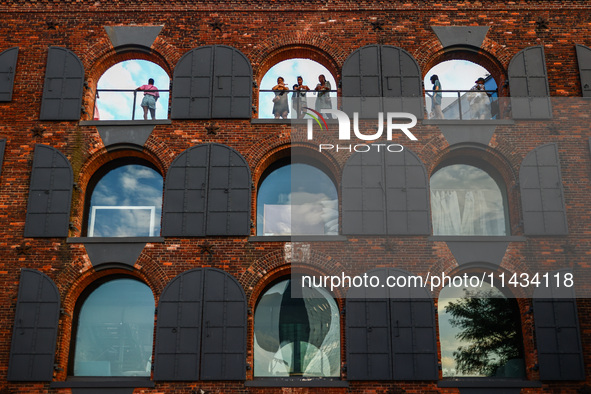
pixel 125 200
pixel 114 329
pixel 297 199
pixel 296 336
pixel 290 104
pixel 118 99
pixel 468 198
pixel 480 333
pixel 458 79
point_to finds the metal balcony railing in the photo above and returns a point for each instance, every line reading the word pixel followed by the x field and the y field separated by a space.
pixel 297 101
pixel 124 104
pixel 465 105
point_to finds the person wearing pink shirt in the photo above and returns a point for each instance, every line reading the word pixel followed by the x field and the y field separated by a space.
pixel 151 95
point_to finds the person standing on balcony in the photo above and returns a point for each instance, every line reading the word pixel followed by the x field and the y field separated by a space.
pixel 479 102
pixel 151 95
pixel 323 100
pixel 280 103
pixel 298 98
pixel 436 112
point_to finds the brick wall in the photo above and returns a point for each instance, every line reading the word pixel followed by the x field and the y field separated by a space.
pixel 269 32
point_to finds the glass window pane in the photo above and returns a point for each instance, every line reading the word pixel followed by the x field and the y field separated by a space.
pixel 480 333
pixel 297 199
pixel 115 330
pixel 296 336
pixel 466 200
pixel 126 202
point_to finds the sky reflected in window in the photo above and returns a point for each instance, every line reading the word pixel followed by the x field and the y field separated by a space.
pixel 126 202
pixel 297 199
pixel 479 333
pixel 115 330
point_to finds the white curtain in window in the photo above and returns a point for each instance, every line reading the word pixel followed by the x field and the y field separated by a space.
pixel 462 212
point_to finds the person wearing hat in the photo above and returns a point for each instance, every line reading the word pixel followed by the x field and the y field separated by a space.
pixel 436 112
pixel 478 99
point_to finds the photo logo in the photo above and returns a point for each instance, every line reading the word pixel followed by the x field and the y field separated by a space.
pixel 395 121
pixel 316 118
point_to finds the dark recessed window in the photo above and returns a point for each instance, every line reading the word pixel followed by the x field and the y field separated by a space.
pixel 126 202
pixel 296 336
pixel 297 199
pixel 480 333
pixel 466 200
pixel 115 329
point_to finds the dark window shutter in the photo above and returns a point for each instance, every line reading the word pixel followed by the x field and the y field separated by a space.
pixel 391 338
pixel 185 193
pixel 413 331
pixel 191 86
pixel 232 85
pixel 401 81
pixel 50 194
pixel 201 328
pixel 528 81
pixel 376 71
pixel 62 91
pixel 178 328
pixel 2 149
pixel 407 194
pixel 361 80
pixel 542 196
pixel 364 194
pixel 8 60
pixel 558 340
pixel 223 354
pixel 228 202
pixel 584 59
pixel 213 81
pixel 369 348
pixel 385 193
pixel 207 192
pixel 35 328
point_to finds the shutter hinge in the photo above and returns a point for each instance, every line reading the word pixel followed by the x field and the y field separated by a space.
pixel 254 84
pixel 83 110
pixel 57 368
pixel 249 311
pixel 63 312
pixel 251 224
pixel 248 367
pixel 155 311
pixel 86 85
pixel 343 311
pixel 344 367
pixel 77 187
pixel 254 109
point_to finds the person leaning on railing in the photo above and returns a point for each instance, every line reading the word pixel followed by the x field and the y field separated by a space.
pixel 151 95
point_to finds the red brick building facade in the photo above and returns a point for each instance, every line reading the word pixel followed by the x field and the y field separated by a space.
pixel 43 141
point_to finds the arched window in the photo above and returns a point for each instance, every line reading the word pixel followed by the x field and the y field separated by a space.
pixel 469 91
pixel 126 200
pixel 296 336
pixel 118 99
pixel 480 333
pixel 467 200
pixel 114 329
pixel 290 104
pixel 297 199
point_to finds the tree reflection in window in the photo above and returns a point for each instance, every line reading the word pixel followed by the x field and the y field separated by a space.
pixel 115 330
pixel 296 336
pixel 297 199
pixel 480 333
pixel 126 202
pixel 466 200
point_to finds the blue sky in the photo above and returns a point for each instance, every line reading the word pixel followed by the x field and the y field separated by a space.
pixel 131 74
pixel 455 75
